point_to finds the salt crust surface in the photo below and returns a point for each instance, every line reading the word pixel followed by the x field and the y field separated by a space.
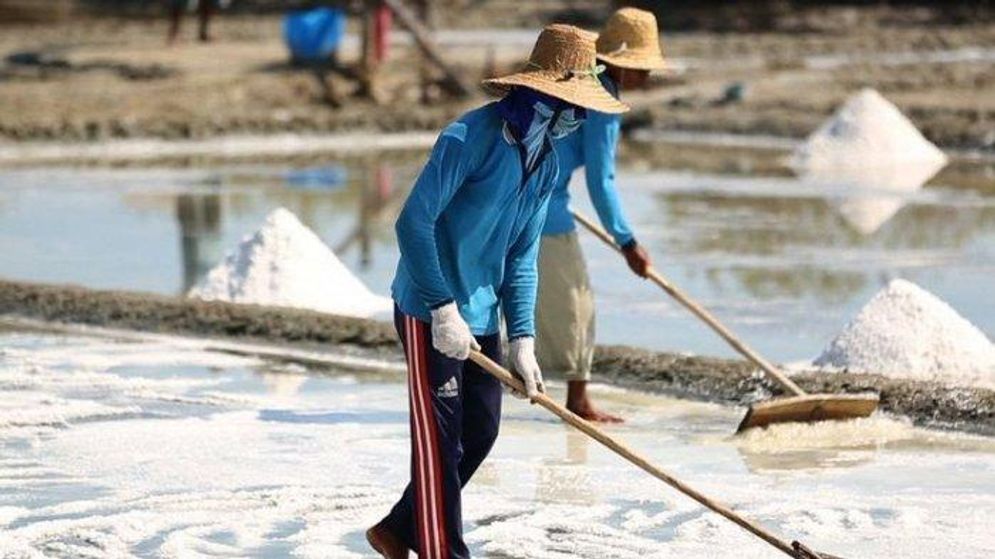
pixel 286 472
pixel 906 332
pixel 286 264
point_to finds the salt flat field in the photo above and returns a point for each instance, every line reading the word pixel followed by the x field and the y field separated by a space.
pixel 115 448
pixel 202 214
pixel 785 263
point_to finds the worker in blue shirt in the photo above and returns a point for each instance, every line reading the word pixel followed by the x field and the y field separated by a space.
pixel 629 48
pixel 469 239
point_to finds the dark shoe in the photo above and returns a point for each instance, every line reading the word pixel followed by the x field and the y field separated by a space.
pixel 384 542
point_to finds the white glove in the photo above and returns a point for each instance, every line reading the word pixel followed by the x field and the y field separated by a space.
pixel 450 333
pixel 523 362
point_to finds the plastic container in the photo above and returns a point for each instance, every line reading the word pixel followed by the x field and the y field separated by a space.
pixel 313 35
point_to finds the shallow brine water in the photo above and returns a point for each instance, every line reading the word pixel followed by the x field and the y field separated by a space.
pixel 156 448
pixel 783 262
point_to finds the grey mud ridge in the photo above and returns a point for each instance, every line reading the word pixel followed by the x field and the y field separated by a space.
pixel 727 381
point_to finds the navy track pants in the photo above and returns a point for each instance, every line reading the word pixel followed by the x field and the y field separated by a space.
pixel 455 409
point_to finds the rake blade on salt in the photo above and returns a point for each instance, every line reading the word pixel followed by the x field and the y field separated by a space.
pixel 808 409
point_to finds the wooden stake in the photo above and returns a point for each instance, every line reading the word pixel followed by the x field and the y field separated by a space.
pixel 454 82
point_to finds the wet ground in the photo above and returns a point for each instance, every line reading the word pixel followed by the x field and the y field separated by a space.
pixel 156 448
pixel 786 263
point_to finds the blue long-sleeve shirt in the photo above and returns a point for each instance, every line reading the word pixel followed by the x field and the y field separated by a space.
pixel 592 147
pixel 469 231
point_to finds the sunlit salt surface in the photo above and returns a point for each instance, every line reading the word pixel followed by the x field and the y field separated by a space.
pixel 157 449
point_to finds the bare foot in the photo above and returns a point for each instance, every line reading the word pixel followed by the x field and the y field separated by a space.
pixel 589 413
pixel 580 404
pixel 384 542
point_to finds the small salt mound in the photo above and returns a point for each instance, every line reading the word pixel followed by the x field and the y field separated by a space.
pixel 907 332
pixel 285 264
pixel 868 157
pixel 868 132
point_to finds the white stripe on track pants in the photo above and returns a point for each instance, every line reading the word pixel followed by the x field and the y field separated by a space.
pixel 455 409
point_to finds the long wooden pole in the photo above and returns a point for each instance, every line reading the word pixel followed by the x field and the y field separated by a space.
pixel 793 550
pixel 422 36
pixel 698 311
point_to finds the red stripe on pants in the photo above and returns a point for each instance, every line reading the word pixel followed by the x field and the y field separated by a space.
pixel 430 514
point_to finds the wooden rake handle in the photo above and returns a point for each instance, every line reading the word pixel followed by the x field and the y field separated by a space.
pixel 632 456
pixel 698 311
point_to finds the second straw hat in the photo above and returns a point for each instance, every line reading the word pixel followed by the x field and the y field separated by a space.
pixel 563 64
pixel 630 40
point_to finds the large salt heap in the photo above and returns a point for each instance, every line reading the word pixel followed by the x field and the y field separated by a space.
pixel 906 332
pixel 868 132
pixel 286 264
pixel 868 156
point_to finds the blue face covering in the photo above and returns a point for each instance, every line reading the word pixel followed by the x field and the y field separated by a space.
pixel 529 113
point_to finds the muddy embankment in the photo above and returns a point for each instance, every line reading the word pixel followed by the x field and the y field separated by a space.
pixel 95 79
pixel 727 381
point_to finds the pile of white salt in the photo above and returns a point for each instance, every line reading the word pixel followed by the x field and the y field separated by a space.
pixel 868 132
pixel 869 157
pixel 906 332
pixel 286 264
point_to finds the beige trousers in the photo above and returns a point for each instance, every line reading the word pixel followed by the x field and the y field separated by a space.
pixel 564 309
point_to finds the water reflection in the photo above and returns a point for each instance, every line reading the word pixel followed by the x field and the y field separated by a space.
pixel 564 479
pixel 379 199
pixel 199 218
pixel 764 463
pixel 785 259
pixel 826 245
pixel 867 198
pixel 351 208
pixel 867 213
pixel 283 384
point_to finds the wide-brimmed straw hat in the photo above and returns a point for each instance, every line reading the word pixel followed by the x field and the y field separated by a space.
pixel 563 64
pixel 631 40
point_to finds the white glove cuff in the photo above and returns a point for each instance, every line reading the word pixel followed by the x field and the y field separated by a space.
pixel 446 312
pixel 523 345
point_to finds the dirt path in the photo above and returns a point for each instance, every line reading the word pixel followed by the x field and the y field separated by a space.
pixel 99 79
pixel 729 381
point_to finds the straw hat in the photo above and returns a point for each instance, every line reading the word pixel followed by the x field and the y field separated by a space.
pixel 631 40
pixel 563 64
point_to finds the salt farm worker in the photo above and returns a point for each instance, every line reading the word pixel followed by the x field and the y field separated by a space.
pixel 205 9
pixel 629 47
pixel 469 238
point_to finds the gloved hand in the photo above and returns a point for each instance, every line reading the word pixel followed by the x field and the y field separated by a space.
pixel 523 362
pixel 450 333
pixel 637 258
